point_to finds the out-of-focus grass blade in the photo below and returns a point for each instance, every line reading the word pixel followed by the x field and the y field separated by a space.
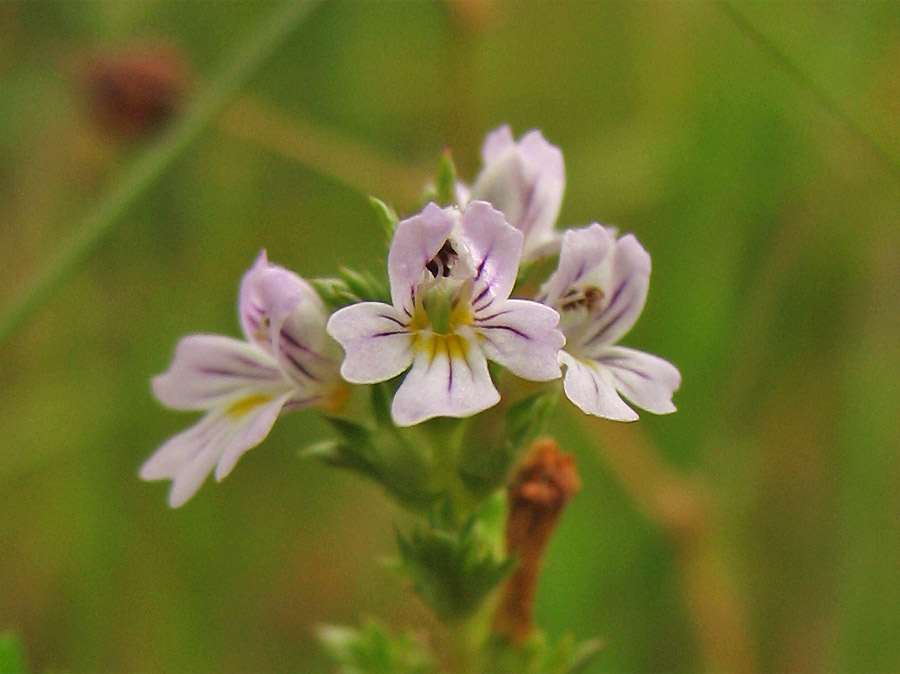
pixel 12 656
pixel 153 163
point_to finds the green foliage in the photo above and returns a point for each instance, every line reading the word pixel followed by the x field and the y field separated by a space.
pixel 484 468
pixel 384 455
pixel 387 217
pixel 453 571
pixel 371 650
pixel 444 189
pixel 349 287
pixel 446 180
pixel 12 654
pixel 538 656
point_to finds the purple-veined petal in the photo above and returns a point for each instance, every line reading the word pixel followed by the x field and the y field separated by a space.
pixel 221 437
pixel 376 340
pixel 253 309
pixel 625 295
pixel 644 379
pixel 268 297
pixel 416 242
pixel 522 336
pixel 495 247
pixel 253 419
pixel 449 378
pixel 207 369
pixel 305 351
pixel 582 251
pixel 591 387
pixel 189 457
pixel 526 181
pixel 283 314
pixel 180 449
pixel 545 163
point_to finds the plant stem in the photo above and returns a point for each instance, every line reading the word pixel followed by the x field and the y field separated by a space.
pixel 152 164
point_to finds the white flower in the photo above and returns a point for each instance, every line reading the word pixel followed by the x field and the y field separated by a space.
pixel 526 181
pixel 599 289
pixel 288 361
pixel 451 274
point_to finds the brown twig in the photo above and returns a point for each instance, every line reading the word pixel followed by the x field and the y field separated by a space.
pixel 543 484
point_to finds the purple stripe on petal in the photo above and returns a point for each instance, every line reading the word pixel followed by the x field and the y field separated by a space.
pixel 299 366
pixel 598 336
pixel 502 312
pixel 449 371
pixel 484 261
pixel 509 328
pixel 481 295
pixel 389 333
pixel 393 319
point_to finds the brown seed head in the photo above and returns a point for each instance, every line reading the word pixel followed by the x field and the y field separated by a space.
pixel 134 94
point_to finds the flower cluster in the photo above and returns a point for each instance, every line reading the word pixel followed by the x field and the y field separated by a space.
pixel 452 270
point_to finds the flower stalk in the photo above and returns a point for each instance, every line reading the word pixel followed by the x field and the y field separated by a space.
pixel 428 342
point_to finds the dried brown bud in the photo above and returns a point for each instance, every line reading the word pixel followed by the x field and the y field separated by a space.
pixel 543 484
pixel 134 94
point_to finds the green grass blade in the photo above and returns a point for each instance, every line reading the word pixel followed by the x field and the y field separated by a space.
pixel 828 101
pixel 152 164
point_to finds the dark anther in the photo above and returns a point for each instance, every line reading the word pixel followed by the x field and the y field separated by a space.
pixel 442 263
pixel 588 298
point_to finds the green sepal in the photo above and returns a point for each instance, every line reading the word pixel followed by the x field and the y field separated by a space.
pixel 445 187
pixel 529 270
pixel 453 572
pixel 333 292
pixel 382 455
pixel 538 656
pixel 370 649
pixel 443 191
pixel 365 285
pixel 484 469
pixel 349 288
pixel 12 654
pixel 387 217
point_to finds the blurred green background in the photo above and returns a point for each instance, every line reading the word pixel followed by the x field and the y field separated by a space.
pixel 756 529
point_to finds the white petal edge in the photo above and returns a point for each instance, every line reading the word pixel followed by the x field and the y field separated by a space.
pixel 496 143
pixel 376 341
pixel 591 388
pixel 441 386
pixel 208 369
pixel 218 440
pixel 646 380
pixel 522 336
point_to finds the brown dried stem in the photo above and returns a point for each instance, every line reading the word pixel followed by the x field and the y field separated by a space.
pixel 543 484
